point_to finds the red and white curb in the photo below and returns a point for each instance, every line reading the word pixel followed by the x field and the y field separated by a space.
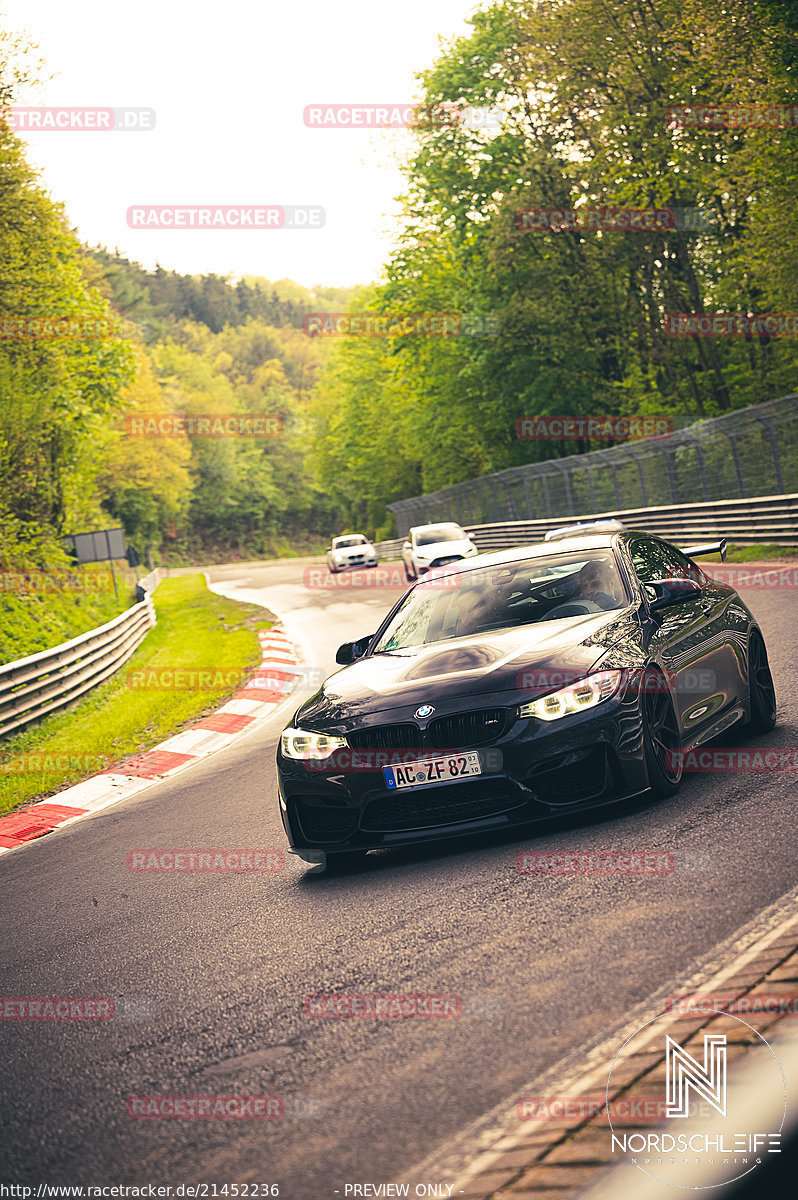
pixel 276 677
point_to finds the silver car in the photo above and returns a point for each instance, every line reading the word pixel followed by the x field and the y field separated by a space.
pixel 350 550
pixel 430 546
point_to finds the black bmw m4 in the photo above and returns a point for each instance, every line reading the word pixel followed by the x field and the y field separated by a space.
pixel 521 685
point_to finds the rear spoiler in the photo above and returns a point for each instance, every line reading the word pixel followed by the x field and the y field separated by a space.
pixel 706 548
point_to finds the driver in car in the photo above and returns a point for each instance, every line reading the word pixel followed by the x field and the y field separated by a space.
pixel 594 582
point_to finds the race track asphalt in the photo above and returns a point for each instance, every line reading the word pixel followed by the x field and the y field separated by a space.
pixel 209 971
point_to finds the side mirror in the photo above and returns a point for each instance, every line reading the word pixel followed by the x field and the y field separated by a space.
pixel 351 651
pixel 407 546
pixel 667 592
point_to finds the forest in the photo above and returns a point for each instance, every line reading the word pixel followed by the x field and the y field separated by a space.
pixel 682 107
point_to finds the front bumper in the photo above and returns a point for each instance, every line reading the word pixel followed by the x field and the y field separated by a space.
pixel 441 560
pixel 360 560
pixel 533 771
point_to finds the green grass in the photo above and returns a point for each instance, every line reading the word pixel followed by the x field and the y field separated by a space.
pixel 754 554
pixel 41 609
pixel 197 631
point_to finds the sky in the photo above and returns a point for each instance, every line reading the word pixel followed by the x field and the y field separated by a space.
pixel 229 83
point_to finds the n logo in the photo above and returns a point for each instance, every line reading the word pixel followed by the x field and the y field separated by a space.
pixel 683 1073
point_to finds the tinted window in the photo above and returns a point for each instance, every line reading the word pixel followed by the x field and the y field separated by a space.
pixel 356 540
pixel 655 560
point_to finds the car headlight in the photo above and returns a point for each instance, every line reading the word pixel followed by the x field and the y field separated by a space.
pixel 585 693
pixel 301 743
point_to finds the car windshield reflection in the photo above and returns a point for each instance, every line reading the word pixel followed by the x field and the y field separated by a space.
pixel 467 604
pixel 441 533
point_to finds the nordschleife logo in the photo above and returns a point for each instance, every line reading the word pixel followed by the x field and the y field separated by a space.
pixel 703 1122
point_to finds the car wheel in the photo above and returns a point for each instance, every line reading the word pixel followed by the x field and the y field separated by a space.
pixel 661 738
pixel 760 687
pixel 408 577
pixel 332 570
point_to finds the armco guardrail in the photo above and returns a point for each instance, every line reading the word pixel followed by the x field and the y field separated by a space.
pixel 148 583
pixel 390 549
pixel 757 521
pixel 34 686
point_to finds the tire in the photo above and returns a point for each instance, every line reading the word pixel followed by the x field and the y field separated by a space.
pixel 408 577
pixel 332 570
pixel 661 736
pixel 761 691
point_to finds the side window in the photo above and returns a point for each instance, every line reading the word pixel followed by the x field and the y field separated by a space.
pixel 654 560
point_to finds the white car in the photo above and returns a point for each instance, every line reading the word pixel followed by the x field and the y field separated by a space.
pixel 430 546
pixel 351 550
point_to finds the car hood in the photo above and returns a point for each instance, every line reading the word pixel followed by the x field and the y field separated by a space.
pixel 498 668
pixel 444 549
pixel 350 551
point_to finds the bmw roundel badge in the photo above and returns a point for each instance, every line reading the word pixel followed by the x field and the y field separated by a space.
pixel 426 710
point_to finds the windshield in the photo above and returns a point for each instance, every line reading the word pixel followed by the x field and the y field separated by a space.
pixel 440 533
pixel 356 540
pixel 552 588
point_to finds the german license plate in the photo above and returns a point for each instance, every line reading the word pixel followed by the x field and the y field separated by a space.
pixel 433 770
